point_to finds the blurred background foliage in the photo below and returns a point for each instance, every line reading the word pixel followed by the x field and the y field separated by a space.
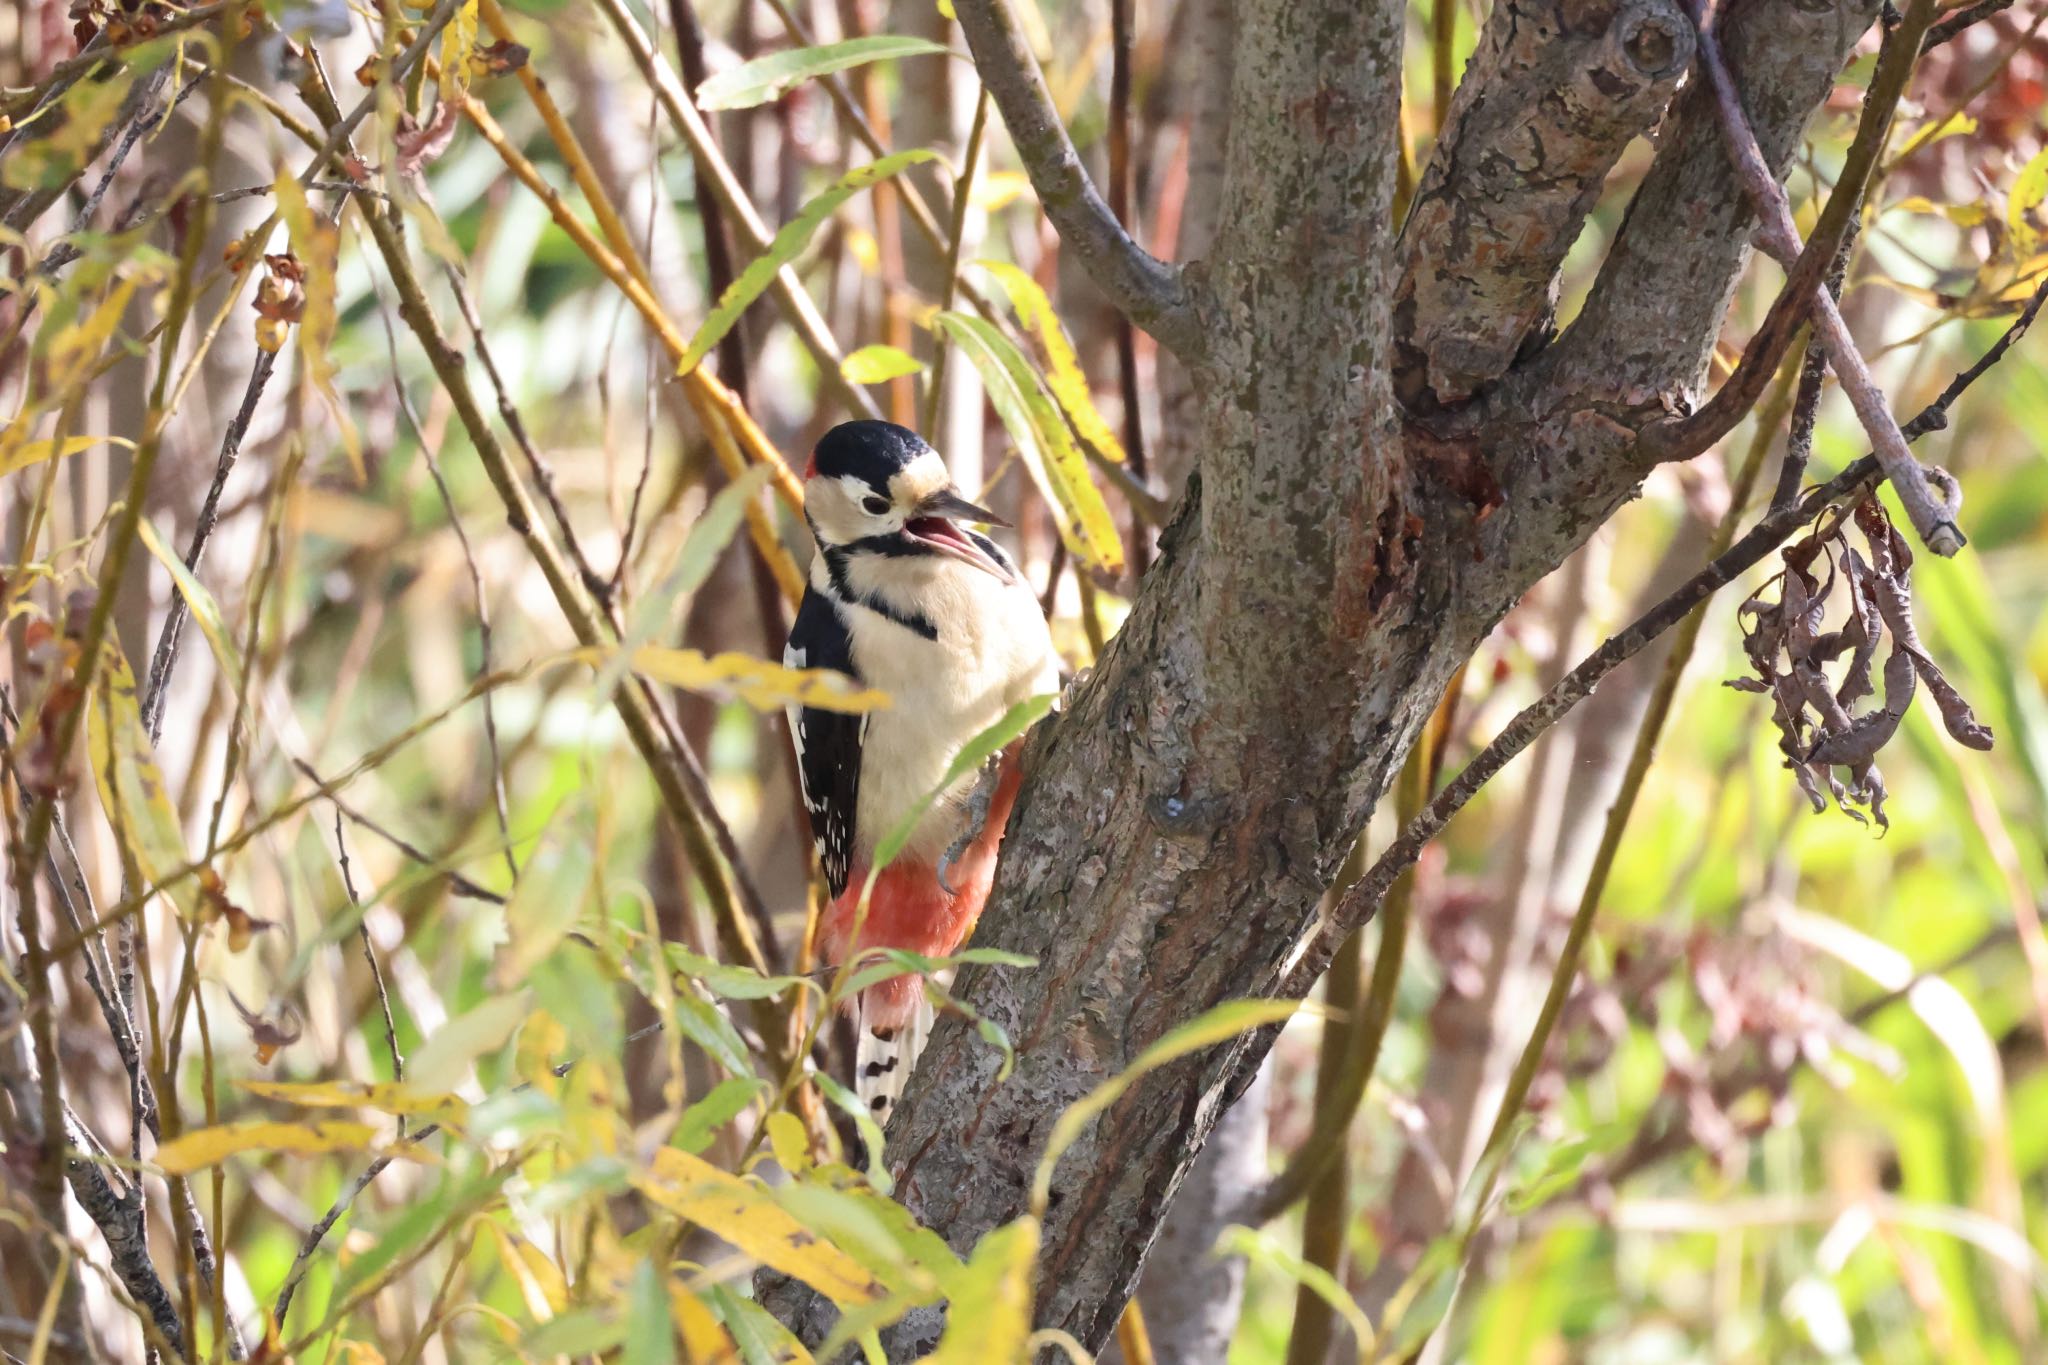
pixel 1797 1109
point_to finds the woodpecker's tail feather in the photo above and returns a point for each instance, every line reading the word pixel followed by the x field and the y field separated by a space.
pixel 884 1053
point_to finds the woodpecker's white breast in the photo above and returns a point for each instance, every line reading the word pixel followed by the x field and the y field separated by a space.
pixel 992 651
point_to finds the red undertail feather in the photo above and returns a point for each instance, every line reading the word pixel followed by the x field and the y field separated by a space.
pixel 912 910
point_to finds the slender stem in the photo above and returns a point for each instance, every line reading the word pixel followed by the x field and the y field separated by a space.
pixel 963 191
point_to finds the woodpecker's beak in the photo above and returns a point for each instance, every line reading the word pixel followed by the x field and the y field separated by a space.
pixel 934 525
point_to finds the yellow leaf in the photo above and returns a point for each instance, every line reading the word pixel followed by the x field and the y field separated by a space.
pixel 16 453
pixel 540 1282
pixel 999 188
pixel 317 244
pixel 760 684
pixel 1957 123
pixel 1063 368
pixel 743 1213
pixel 790 1143
pixel 131 790
pixel 1050 456
pixel 386 1097
pixel 49 162
pixel 205 1147
pixel 458 40
pixel 2028 189
pixel 875 364
pixel 74 350
pixel 704 1341
pixel 359 1353
pixel 988 1321
pixel 205 611
pixel 1962 215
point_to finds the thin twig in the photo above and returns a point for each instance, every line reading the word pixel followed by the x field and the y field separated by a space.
pixel 1771 531
pixel 1932 517
pixel 1152 293
pixel 458 884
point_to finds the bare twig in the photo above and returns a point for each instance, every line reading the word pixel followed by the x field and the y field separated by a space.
pixel 1152 293
pixel 1932 516
pixel 1771 531
pixel 458 884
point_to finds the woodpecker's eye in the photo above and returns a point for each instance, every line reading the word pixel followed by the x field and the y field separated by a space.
pixel 875 506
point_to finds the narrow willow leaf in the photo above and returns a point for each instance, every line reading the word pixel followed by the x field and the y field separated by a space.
pixel 131 789
pixel 863 1118
pixel 788 243
pixel 1265 1250
pixel 760 1338
pixel 549 896
pixel 204 1147
pixel 2029 188
pixel 972 755
pixel 1205 1030
pixel 703 1338
pixel 1062 366
pixel 205 611
pixel 21 454
pixel 876 364
pixel 430 1212
pixel 989 1319
pixel 760 684
pixel 650 1331
pixel 387 1097
pixel 1054 462
pixel 722 1104
pixel 742 1212
pixel 770 77
pixel 727 980
pixel 449 1051
pixel 713 531
pixel 706 1025
pixel 317 244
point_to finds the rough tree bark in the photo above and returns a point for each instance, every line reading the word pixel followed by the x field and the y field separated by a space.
pixel 1336 556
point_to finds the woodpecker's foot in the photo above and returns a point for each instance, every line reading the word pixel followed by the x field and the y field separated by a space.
pixel 978 802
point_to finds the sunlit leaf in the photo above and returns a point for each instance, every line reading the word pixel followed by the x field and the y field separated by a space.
pixel 205 611
pixel 703 1338
pixel 131 789
pixel 2028 189
pixel 1054 462
pixel 727 980
pixel 743 1213
pixel 203 1147
pixel 988 1321
pixel 317 245
pixel 875 364
pixel 458 40
pixel 788 243
pixel 1063 373
pixel 444 1059
pixel 552 890
pixel 1957 123
pixel 387 1097
pixel 20 454
pixel 1264 1249
pixel 760 684
pixel 49 162
pixel 770 77
pixel 1204 1031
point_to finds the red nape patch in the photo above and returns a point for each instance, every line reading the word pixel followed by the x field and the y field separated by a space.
pixel 911 910
pixel 811 466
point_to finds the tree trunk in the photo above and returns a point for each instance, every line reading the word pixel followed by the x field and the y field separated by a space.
pixel 1335 558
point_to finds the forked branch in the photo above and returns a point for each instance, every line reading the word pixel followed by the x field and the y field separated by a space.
pixel 1151 292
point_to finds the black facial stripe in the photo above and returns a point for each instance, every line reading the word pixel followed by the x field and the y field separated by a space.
pixel 836 557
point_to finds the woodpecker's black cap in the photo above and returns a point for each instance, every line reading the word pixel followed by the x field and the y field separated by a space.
pixel 873 452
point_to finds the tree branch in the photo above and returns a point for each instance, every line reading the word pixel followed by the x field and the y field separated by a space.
pixel 1152 293
pixel 1554 94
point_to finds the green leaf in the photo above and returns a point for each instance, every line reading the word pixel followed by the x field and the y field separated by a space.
pixel 544 906
pixel 1205 1030
pixel 650 1335
pixel 1054 462
pixel 989 1320
pixel 721 1104
pixel 205 611
pixel 788 243
pixel 876 364
pixel 1063 367
pixel 578 1332
pixel 972 755
pixel 1263 1249
pixel 770 77
pixel 729 981
pixel 131 787
pixel 863 1118
pixel 706 1025
pixel 451 1049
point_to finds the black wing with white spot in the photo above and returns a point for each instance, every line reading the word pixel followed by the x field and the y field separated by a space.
pixel 828 744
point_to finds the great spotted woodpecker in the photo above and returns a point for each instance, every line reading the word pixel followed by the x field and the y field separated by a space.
pixel 906 599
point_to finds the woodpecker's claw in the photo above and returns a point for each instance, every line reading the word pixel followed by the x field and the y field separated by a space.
pixel 978 802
